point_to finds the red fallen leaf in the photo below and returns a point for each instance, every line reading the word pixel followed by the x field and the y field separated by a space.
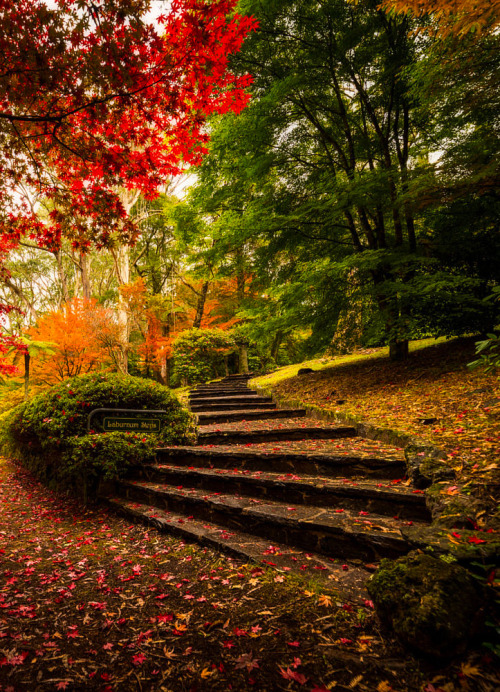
pixel 343 640
pixel 138 659
pixel 228 644
pixel 166 617
pixel 97 606
pixel 62 684
pixel 289 674
pixel 240 633
pixel 475 539
pixel 247 661
pixel 293 643
pixel 368 604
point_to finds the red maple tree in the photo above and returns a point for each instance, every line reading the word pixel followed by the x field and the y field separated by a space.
pixel 93 99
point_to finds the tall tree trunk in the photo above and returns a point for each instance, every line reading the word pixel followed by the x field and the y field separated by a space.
pixel 122 266
pixel 63 278
pixel 121 256
pixel 240 291
pixel 398 350
pixel 243 358
pixel 85 274
pixel 275 347
pixel 200 307
pixel 26 376
pixel 164 370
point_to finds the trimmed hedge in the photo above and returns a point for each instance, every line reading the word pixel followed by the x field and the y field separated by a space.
pixel 49 436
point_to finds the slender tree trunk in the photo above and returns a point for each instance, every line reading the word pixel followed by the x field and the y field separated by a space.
pixel 200 307
pixel 123 276
pixel 243 358
pixel 275 347
pixel 398 348
pixel 85 274
pixel 164 373
pixel 63 278
pixel 240 289
pixel 26 376
pixel 122 265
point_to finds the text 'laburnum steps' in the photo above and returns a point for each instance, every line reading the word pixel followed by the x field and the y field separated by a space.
pixel 263 480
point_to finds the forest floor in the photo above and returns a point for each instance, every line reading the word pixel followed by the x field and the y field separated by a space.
pixel 90 602
pixel 433 396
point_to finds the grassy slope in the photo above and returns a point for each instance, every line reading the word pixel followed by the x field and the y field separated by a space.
pixel 434 383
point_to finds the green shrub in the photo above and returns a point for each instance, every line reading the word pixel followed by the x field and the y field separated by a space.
pixel 49 433
pixel 199 354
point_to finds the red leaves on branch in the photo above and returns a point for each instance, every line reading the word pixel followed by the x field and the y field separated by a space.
pixel 94 99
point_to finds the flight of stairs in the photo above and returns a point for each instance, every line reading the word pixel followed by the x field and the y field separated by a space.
pixel 235 492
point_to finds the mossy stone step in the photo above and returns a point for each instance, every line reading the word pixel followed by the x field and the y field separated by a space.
pixel 289 462
pixel 229 416
pixel 380 497
pixel 313 528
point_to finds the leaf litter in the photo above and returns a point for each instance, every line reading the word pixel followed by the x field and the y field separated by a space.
pixel 90 602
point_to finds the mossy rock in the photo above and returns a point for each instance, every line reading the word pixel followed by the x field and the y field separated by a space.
pixel 458 510
pixel 463 546
pixel 425 466
pixel 433 607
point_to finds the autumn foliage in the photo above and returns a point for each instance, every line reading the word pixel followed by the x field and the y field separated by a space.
pixel 85 337
pixel 94 100
pixel 454 17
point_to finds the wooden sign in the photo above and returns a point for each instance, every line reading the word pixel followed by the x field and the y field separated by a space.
pixel 142 425
pixel 128 420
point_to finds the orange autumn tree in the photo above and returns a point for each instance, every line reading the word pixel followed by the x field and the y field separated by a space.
pixel 158 320
pixel 453 17
pixel 85 338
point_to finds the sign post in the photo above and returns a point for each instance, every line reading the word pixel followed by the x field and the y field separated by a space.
pixel 130 420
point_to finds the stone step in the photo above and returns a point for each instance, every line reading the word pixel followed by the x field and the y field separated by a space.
pixel 236 406
pixel 227 437
pixel 228 416
pixel 236 378
pixel 381 497
pixel 313 528
pixel 243 384
pixel 349 579
pixel 225 392
pixel 311 464
pixel 234 399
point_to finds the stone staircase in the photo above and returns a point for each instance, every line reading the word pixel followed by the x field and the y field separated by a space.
pixel 321 489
